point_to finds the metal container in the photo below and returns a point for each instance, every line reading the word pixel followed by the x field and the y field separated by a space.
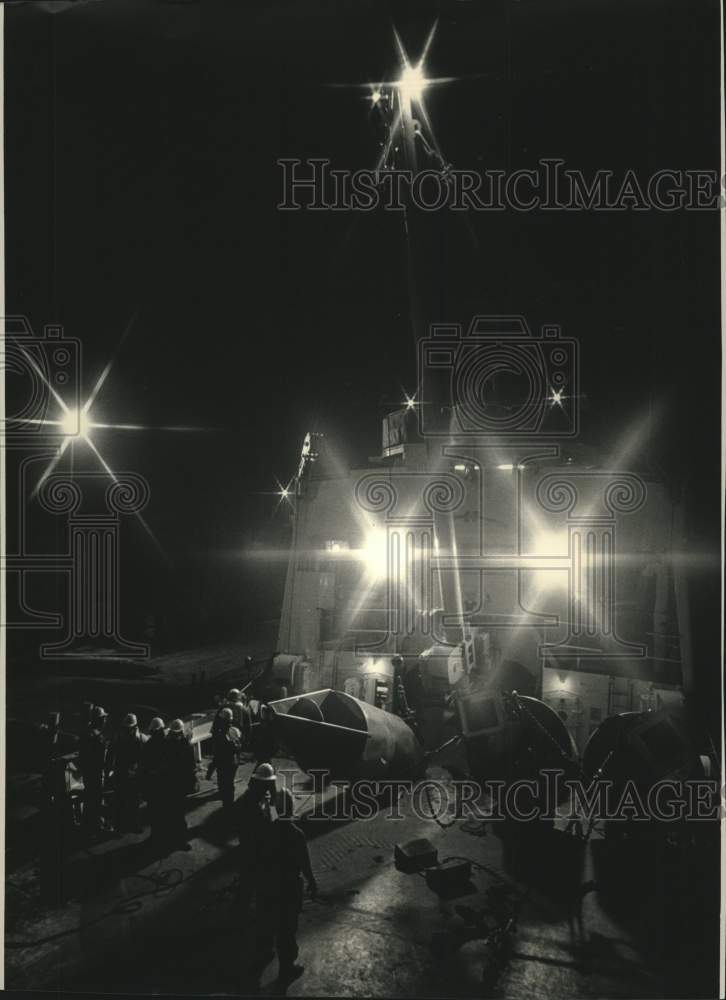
pixel 333 731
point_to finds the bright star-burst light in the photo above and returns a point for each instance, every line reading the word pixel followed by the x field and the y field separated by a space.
pixel 375 554
pixel 75 424
pixel 412 83
pixel 285 494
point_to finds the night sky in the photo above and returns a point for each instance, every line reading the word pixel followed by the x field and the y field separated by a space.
pixel 141 179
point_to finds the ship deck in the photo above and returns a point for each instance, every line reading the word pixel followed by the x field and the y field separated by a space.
pixel 589 923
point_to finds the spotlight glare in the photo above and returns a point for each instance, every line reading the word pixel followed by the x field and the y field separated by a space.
pixel 375 553
pixel 412 83
pixel 375 96
pixel 552 543
pixel 75 424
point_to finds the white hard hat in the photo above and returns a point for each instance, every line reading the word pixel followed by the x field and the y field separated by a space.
pixel 233 694
pixel 226 713
pixel 130 720
pixel 177 726
pixel 156 724
pixel 265 773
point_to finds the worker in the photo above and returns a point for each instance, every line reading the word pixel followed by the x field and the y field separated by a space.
pixel 229 701
pixel 179 781
pixel 126 780
pixel 274 860
pixel 246 728
pixel 254 705
pixel 152 771
pixel 96 760
pixel 226 748
pixel 240 710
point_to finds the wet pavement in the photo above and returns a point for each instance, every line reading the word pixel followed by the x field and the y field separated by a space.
pixel 138 924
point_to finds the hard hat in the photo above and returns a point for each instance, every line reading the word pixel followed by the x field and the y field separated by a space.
pixel 99 713
pixel 156 724
pixel 177 726
pixel 233 694
pixel 397 661
pixel 226 713
pixel 130 720
pixel 265 773
pixel 248 660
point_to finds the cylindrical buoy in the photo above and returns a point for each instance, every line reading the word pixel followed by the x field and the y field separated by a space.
pixel 512 737
pixel 331 730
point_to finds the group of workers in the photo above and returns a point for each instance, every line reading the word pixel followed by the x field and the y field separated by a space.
pixel 157 766
pixel 231 736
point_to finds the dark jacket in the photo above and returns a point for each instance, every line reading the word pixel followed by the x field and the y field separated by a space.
pixel 180 768
pixel 96 757
pixel 152 764
pixel 127 757
pixel 225 748
pixel 274 852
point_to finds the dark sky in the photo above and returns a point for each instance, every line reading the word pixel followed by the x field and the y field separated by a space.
pixel 141 179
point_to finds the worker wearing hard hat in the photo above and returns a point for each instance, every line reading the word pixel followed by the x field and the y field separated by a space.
pixel 126 779
pixel 180 781
pixel 96 762
pixel 230 701
pixel 274 858
pixel 226 748
pixel 237 702
pixel 152 773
